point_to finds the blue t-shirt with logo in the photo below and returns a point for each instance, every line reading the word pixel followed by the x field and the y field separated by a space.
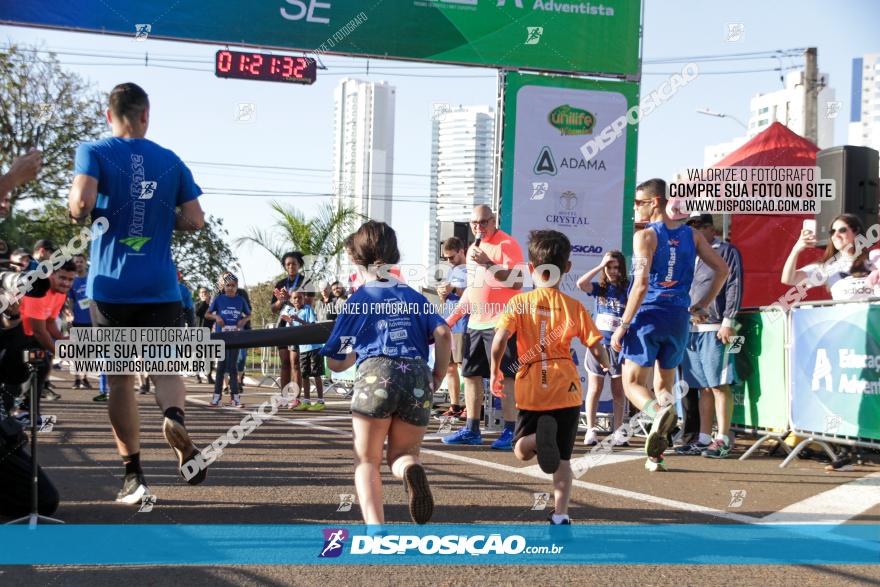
pixel 610 304
pixel 139 186
pixel 305 313
pixel 672 268
pixel 387 319
pixel 79 300
pixel 230 309
pixel 457 278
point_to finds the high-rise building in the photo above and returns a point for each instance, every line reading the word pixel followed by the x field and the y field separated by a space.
pixel 363 154
pixel 462 167
pixel 864 125
pixel 787 107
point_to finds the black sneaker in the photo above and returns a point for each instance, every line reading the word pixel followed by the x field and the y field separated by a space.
pixel 841 465
pixel 179 441
pixel 49 395
pixel 692 449
pixel 656 442
pixel 421 502
pixel 545 440
pixel 134 488
pixel 77 384
pixel 86 384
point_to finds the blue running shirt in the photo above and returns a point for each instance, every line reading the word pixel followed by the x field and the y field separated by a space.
pixel 672 267
pixel 139 186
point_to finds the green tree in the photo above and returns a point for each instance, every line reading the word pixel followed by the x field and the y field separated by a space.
pixel 47 107
pixel 319 238
pixel 201 256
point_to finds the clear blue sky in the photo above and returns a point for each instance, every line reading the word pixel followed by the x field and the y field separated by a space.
pixel 194 113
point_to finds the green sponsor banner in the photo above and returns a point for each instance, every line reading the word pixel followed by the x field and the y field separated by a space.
pixel 760 399
pixel 835 370
pixel 549 35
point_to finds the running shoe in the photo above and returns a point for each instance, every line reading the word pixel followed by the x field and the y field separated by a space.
pixel 301 407
pixel 316 407
pixel 215 400
pixel 620 441
pixel 591 438
pixel 179 441
pixel 565 522
pixel 452 412
pixel 101 397
pixel 505 441
pixel 235 402
pixel 86 384
pixel 421 502
pixel 463 436
pixel 294 404
pixel 463 415
pixel 655 466
pixel 49 395
pixel 691 450
pixel 841 465
pixel 143 390
pixel 134 488
pixel 717 450
pixel 547 449
pixel 77 384
pixel 663 423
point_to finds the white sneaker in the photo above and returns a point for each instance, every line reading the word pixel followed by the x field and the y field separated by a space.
pixel 620 440
pixel 591 438
pixel 655 466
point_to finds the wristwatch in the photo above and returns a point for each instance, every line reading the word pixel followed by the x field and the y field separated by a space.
pixel 625 325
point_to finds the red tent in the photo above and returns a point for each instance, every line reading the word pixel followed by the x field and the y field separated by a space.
pixel 766 240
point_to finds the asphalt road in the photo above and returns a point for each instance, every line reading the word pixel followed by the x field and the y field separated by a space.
pixel 294 468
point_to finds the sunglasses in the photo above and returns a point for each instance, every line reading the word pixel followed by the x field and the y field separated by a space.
pixel 450 258
pixel 484 222
pixel 840 230
pixel 640 203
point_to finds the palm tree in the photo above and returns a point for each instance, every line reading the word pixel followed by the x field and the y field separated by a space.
pixel 319 239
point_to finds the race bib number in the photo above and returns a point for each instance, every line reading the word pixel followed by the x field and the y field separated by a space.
pixel 230 328
pixel 84 303
pixel 607 322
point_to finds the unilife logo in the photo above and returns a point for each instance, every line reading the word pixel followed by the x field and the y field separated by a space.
pixel 334 541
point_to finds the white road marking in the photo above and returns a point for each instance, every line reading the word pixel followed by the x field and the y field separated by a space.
pixel 835 506
pixel 598 460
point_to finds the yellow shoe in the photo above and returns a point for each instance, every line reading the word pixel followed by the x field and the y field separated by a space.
pixel 301 407
pixel 316 407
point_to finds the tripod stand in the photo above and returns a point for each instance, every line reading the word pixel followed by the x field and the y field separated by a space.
pixel 32 359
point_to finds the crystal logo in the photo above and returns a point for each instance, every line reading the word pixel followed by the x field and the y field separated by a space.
pixel 568 201
pixel 572 121
pixel 334 541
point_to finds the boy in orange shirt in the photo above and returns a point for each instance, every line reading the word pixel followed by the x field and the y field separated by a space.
pixel 547 386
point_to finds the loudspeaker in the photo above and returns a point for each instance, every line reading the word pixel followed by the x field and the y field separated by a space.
pixel 460 230
pixel 855 173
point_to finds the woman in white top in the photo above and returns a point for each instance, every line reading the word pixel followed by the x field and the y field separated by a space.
pixel 840 270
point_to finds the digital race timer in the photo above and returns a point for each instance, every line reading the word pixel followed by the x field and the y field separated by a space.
pixel 263 66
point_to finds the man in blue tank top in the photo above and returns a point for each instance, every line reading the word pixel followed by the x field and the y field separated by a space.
pixel 145 193
pixel 656 321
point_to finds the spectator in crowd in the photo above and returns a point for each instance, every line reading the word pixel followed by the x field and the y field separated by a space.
pixel 311 363
pixel 293 264
pixel 339 298
pixel 708 367
pixel 189 317
pixel 494 264
pixel 43 249
pixel 242 353
pixel 201 308
pixel 20 260
pixel 451 291
pixel 23 170
pixel 393 385
pixel 610 293
pixel 325 309
pixel 845 272
pixel 79 308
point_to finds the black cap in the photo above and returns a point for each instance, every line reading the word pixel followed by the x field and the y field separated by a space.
pixel 44 243
pixel 701 220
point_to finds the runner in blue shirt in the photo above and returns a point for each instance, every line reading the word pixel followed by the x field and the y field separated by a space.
pixel 450 292
pixel 230 312
pixel 140 193
pixel 656 322
pixel 385 328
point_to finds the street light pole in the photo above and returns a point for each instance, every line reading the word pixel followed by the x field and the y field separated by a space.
pixel 708 112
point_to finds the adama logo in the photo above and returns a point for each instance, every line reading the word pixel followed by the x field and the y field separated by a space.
pixel 334 541
pixel 135 242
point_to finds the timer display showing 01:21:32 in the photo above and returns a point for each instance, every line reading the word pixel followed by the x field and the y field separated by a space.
pixel 264 66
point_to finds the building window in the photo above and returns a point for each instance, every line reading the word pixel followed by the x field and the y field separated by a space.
pixel 763 110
